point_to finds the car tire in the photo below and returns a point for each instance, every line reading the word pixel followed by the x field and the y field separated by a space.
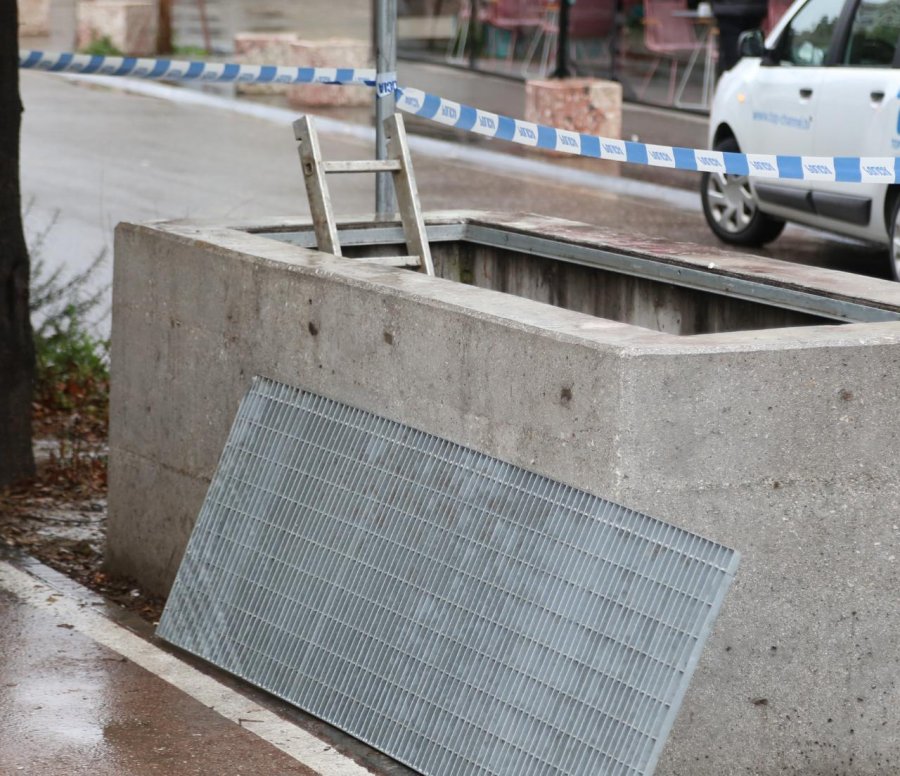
pixel 730 207
pixel 894 250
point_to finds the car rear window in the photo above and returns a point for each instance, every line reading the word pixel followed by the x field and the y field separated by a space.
pixel 873 36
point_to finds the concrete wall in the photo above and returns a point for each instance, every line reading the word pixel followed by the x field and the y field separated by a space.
pixel 779 443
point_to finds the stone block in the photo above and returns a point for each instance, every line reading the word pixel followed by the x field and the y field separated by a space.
pixel 34 18
pixel 130 25
pixel 330 52
pixel 263 48
pixel 587 105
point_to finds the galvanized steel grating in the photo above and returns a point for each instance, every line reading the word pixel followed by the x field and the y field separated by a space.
pixel 454 611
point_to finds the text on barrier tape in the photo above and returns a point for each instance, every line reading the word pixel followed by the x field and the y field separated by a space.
pixel 845 169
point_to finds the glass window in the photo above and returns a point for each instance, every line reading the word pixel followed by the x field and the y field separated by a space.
pixel 807 37
pixel 873 36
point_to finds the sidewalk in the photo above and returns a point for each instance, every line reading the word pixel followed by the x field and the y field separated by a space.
pixel 87 690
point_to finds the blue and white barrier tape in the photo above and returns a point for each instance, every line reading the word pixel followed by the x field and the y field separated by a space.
pixel 173 69
pixel 453 114
pixel 385 84
pixel 845 169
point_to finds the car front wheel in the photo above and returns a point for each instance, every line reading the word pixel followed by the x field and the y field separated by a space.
pixel 730 207
pixel 895 240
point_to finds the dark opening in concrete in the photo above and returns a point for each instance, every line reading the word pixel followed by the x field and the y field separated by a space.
pixel 635 281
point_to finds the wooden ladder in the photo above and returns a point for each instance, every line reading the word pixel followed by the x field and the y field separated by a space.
pixel 398 164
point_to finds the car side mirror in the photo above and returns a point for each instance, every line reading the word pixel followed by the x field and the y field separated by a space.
pixel 752 44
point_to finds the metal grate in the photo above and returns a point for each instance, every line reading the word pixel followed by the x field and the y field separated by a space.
pixel 454 611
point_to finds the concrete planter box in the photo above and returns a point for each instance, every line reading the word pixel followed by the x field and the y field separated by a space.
pixel 332 52
pixel 131 26
pixel 589 105
pixel 765 425
pixel 289 49
pixel 34 18
pixel 263 48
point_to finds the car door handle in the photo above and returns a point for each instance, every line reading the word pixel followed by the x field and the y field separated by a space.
pixel 876 96
pixel 806 93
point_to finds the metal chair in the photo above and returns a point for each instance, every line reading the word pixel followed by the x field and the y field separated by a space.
pixel 514 17
pixel 456 48
pixel 667 36
pixel 588 20
pixel 777 9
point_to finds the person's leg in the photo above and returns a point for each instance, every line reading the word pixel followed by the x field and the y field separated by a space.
pixel 730 29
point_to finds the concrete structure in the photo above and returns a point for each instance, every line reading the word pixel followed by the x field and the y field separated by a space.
pixel 34 17
pixel 263 48
pixel 129 25
pixel 779 442
pixel 587 105
pixel 330 52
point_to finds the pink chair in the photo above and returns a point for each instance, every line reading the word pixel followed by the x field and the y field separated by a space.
pixel 456 49
pixel 588 20
pixel 667 36
pixel 777 9
pixel 514 16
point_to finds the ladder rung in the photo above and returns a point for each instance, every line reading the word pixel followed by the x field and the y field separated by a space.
pixel 399 165
pixel 363 165
pixel 395 261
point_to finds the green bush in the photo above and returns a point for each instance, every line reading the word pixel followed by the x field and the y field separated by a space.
pixel 72 366
pixel 102 47
pixel 190 52
pixel 72 362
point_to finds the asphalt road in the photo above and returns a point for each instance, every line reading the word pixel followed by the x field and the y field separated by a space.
pixel 94 156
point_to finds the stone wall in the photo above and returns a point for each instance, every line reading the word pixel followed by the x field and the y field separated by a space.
pixel 129 25
pixel 34 17
pixel 589 105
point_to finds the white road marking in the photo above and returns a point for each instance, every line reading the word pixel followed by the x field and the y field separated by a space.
pixel 289 738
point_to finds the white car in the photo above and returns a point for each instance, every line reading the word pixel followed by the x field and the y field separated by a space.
pixel 824 83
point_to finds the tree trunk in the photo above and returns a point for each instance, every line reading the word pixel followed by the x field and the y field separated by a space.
pixel 164 28
pixel 16 343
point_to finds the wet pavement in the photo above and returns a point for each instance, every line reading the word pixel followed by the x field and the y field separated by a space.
pixel 72 706
pixel 86 689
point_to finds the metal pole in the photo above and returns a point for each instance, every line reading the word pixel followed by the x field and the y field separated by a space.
pixel 562 41
pixel 618 27
pixel 474 33
pixel 386 67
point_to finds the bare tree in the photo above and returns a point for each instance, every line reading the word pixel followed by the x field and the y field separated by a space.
pixel 16 341
pixel 164 28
